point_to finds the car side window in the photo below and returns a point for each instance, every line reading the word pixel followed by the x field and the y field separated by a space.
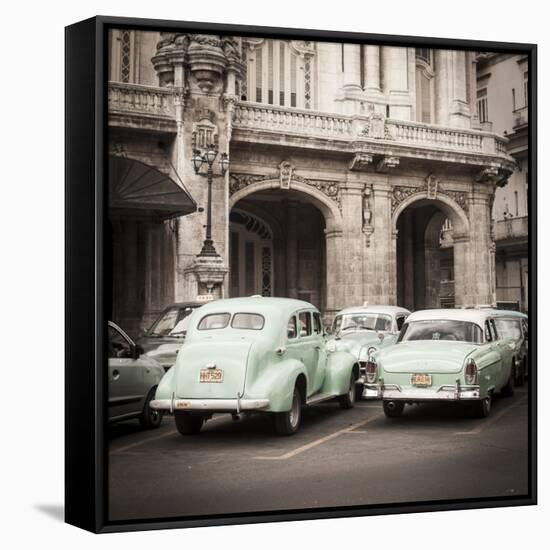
pixel 317 324
pixel 119 347
pixel 494 329
pixel 399 321
pixel 305 324
pixel 525 328
pixel 488 333
pixel 291 331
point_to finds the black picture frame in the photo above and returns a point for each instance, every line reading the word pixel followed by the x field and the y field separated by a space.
pixel 86 269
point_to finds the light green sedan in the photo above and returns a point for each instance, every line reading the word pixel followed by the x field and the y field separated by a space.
pixel 256 354
pixel 455 355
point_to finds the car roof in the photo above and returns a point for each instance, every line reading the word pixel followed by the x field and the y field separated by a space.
pixel 256 304
pixel 389 310
pixel 508 313
pixel 473 315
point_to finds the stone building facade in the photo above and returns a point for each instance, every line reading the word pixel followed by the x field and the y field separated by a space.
pixel 357 173
pixel 502 95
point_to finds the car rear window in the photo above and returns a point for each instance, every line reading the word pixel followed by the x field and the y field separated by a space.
pixel 214 321
pixel 248 321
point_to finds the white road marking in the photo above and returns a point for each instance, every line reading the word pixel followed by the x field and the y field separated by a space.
pixel 492 419
pixel 319 441
pixel 156 438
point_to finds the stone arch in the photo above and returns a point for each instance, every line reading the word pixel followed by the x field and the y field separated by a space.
pixel 328 207
pixel 459 219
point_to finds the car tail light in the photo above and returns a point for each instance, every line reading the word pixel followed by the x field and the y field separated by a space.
pixel 370 371
pixel 470 373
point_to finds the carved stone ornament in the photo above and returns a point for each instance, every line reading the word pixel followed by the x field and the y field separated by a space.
pixel 385 164
pixel 376 127
pixel 368 226
pixel 360 161
pixel 432 188
pixel 204 133
pixel 331 189
pixel 286 170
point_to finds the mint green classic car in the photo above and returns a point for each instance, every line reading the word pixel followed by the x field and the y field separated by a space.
pixel 363 330
pixel 265 355
pixel 447 355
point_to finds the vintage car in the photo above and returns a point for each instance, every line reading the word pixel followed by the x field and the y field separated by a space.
pixel 443 354
pixel 164 338
pixel 514 326
pixel 133 378
pixel 255 354
pixel 364 330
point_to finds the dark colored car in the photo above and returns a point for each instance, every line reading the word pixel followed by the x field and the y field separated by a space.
pixel 166 335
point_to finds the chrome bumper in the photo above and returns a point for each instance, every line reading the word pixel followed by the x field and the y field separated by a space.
pixel 229 405
pixel 394 392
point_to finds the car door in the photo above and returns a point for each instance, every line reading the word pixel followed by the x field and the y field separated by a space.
pixel 125 375
pixel 492 360
pixel 320 350
pixel 299 347
pixel 506 354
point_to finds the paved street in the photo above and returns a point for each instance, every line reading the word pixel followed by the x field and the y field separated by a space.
pixel 339 458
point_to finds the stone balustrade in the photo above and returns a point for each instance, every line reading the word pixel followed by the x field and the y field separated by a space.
pixel 259 117
pixel 296 121
pixel 511 228
pixel 137 99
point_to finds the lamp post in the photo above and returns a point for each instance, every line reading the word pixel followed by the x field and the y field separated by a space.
pixel 207 159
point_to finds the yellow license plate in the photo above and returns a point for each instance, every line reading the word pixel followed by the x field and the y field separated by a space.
pixel 421 379
pixel 211 375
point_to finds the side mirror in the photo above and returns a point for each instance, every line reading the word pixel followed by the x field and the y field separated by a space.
pixel 381 336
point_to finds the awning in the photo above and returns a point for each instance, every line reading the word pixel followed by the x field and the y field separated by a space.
pixel 139 191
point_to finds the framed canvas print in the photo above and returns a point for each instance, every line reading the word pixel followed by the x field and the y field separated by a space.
pixel 300 274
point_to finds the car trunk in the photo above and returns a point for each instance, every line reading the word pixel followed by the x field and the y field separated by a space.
pixel 205 360
pixel 426 356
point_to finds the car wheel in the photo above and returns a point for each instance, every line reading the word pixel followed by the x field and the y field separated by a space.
pixel 393 409
pixel 347 401
pixel 482 408
pixel 508 390
pixel 519 379
pixel 150 418
pixel 288 422
pixel 188 424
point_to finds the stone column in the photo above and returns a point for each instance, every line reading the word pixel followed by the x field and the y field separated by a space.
pixel 473 257
pixel 291 250
pixel 406 230
pixel 351 83
pixel 334 273
pixel 442 78
pixel 459 107
pixel 352 245
pixel 379 265
pixel 396 87
pixel 372 58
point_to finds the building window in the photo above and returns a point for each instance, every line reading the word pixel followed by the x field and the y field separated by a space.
pixel 125 54
pixel 424 86
pixel 526 88
pixel 513 99
pixel 424 55
pixel 482 105
pixel 273 73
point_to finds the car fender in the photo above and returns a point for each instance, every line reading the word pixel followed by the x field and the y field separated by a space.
pixel 165 387
pixel 340 365
pixel 276 383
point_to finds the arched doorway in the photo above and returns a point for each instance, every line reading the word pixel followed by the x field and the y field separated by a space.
pixel 250 255
pixel 278 245
pixel 427 266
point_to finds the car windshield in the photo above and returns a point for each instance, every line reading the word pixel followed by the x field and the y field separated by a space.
pixel 362 321
pixel 441 329
pixel 508 328
pixel 170 322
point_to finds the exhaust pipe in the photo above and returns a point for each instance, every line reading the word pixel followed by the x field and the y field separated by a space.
pixel 391 405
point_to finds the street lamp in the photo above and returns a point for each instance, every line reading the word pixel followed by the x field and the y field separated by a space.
pixel 199 160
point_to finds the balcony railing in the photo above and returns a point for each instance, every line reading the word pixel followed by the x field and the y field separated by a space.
pixel 511 228
pixel 521 117
pixel 296 121
pixel 259 118
pixel 137 99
